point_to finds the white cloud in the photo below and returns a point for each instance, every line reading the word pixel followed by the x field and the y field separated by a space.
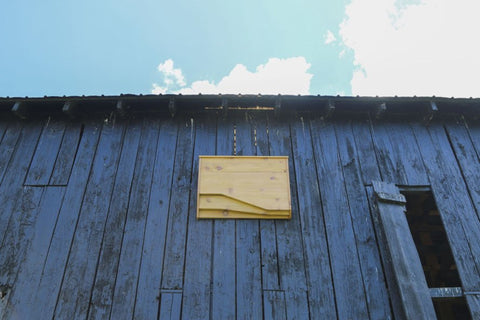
pixel 171 74
pixel 428 48
pixel 329 37
pixel 157 89
pixel 285 76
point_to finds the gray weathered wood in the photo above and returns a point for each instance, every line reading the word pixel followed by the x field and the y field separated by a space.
pixel 224 267
pixel 291 261
pixel 268 232
pixel 104 283
pixel 274 305
pixel 66 154
pixel 15 169
pixel 248 270
pixel 406 154
pixel 317 255
pixel 454 203
pixel 53 269
pixel 413 295
pixel 344 257
pixel 198 260
pixel 23 295
pixel 170 306
pixel 366 150
pixel 446 292
pixel 46 153
pixel 387 152
pixel 366 241
pixel 174 260
pixel 146 301
pixel 133 234
pixel 74 296
pixel 467 156
pixel 473 301
pixel 7 146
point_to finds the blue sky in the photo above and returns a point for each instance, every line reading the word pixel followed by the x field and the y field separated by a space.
pixel 350 47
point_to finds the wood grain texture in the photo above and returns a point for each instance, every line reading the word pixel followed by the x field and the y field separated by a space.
pixel 104 282
pixel 63 234
pixel 366 151
pixel 413 294
pixel 21 146
pixel 174 259
pixel 82 260
pixel 268 232
pixel 66 154
pixel 119 238
pixel 133 235
pixel 248 263
pixel 344 256
pixel 317 255
pixel 22 297
pixel 291 259
pixel 198 260
pixel 454 204
pixel 274 305
pixel 224 245
pixel 366 241
pixel 170 306
pixel 146 300
pixel 46 153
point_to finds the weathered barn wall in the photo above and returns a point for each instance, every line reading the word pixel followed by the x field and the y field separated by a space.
pixel 97 216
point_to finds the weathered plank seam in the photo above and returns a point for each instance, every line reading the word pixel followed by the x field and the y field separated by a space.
pixel 323 214
pixel 106 216
pixel 76 222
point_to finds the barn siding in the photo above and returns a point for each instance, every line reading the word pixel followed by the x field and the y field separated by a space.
pixel 98 218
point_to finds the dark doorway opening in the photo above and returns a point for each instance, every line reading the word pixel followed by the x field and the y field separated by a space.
pixel 435 255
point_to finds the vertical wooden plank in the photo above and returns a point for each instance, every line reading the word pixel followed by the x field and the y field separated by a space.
pixel 66 154
pixel 224 266
pixel 368 254
pixel 19 205
pixel 46 153
pixel 170 306
pixel 474 132
pixel 82 260
pixel 198 260
pixel 174 260
pixel 53 269
pixel 274 305
pixel 406 153
pixel 413 293
pixel 22 296
pixel 268 233
pixel 18 236
pixel 7 146
pixel 473 301
pixel 3 128
pixel 467 158
pixel 248 270
pixel 132 244
pixel 388 270
pixel 146 305
pixel 15 169
pixel 366 151
pixel 317 256
pixel 391 169
pixel 291 261
pixel 454 204
pixel 102 293
pixel 344 257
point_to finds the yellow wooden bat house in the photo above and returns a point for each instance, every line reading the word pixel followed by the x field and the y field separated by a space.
pixel 243 187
